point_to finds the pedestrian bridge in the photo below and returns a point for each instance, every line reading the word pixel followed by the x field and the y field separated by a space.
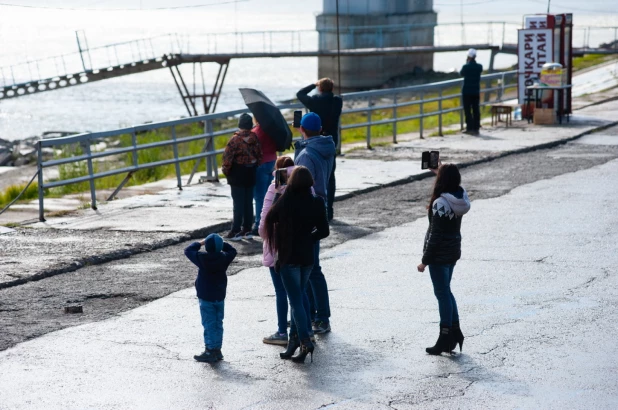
pixel 169 51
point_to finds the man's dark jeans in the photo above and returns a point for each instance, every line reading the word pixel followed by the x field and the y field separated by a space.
pixel 472 111
pixel 263 178
pixel 320 302
pixel 242 196
pixel 441 276
pixel 330 194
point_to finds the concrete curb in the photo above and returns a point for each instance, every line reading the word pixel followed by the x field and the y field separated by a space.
pixel 424 175
pixel 202 232
pixel 116 255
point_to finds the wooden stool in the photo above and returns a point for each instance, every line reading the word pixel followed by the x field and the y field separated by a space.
pixel 497 110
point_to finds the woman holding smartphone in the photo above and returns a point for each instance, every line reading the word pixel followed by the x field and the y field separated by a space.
pixel 283 167
pixel 294 223
pixel 442 249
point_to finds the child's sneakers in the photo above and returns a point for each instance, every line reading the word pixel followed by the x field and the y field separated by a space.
pixel 276 338
pixel 209 356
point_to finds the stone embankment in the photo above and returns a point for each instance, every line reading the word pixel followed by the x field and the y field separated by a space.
pixel 23 152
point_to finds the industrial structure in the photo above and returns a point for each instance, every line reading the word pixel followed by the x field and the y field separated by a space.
pixel 368 24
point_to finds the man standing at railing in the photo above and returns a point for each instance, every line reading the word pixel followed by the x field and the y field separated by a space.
pixel 471 92
pixel 328 107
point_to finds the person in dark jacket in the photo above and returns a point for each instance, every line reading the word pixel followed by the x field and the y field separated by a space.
pixel 471 92
pixel 317 153
pixel 328 107
pixel 242 156
pixel 211 287
pixel 295 222
pixel 442 249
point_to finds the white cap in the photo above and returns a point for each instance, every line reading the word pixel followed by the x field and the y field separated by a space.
pixel 472 53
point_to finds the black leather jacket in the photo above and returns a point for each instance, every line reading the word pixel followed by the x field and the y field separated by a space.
pixel 443 238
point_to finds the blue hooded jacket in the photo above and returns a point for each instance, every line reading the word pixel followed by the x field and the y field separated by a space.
pixel 211 281
pixel 318 155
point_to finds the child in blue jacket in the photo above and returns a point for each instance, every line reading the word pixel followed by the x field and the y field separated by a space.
pixel 211 285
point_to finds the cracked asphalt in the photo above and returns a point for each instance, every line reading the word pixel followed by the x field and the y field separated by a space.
pixel 536 287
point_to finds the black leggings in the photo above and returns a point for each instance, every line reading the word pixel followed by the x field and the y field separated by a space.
pixel 242 196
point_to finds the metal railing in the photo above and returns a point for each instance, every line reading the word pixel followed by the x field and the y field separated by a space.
pixel 596 37
pixel 369 102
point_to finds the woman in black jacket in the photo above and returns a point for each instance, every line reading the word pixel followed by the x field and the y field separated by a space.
pixel 294 223
pixel 449 202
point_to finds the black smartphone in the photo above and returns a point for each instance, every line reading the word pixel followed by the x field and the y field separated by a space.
pixel 298 115
pixel 281 177
pixel 430 159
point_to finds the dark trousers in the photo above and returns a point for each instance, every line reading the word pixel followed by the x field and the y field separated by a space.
pixel 472 111
pixel 330 193
pixel 242 196
pixel 319 302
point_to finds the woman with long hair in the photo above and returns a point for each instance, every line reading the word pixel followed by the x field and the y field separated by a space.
pixel 442 249
pixel 280 337
pixel 294 223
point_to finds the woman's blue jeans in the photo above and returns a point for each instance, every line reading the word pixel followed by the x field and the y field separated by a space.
pixel 295 278
pixel 441 278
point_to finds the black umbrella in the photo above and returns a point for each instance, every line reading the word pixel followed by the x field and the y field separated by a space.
pixel 268 115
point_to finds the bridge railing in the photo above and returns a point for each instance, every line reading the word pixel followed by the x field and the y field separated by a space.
pixel 110 55
pixel 90 59
pixel 402 105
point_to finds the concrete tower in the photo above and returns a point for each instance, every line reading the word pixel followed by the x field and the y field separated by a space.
pixel 390 20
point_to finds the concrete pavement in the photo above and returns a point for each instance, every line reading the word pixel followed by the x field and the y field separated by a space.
pixel 537 294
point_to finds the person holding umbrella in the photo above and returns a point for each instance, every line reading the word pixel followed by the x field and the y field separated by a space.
pixel 274 134
pixel 241 158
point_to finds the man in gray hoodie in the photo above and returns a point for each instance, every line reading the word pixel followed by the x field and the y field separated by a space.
pixel 317 153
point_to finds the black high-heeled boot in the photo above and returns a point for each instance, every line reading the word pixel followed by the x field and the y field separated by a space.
pixel 458 337
pixel 306 347
pixel 293 344
pixel 444 343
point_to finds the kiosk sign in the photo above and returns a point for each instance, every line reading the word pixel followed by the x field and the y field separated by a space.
pixel 534 50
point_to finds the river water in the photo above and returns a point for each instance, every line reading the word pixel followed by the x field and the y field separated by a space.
pixel 31 33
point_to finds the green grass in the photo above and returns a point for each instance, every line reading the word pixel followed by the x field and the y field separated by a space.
pixel 10 193
pixel 590 60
